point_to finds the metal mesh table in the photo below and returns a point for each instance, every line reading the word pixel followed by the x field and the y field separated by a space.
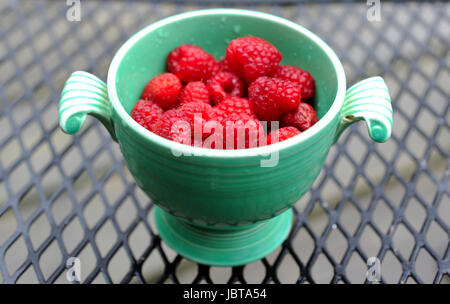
pixel 64 196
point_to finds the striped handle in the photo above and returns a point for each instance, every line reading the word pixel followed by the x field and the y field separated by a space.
pixel 84 94
pixel 368 100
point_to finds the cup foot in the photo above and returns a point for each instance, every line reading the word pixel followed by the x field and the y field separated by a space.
pixel 236 246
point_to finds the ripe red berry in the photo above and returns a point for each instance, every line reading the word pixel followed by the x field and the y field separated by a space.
pixel 224 85
pixel 242 131
pixel 191 63
pixel 195 91
pixel 224 66
pixel 282 134
pixel 252 57
pixel 197 142
pixel 297 75
pixel 303 118
pixel 233 105
pixel 271 97
pixel 146 113
pixel 174 125
pixel 163 90
pixel 198 114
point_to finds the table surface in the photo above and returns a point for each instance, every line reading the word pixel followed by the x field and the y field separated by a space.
pixel 72 196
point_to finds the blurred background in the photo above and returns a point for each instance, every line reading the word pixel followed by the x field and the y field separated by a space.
pixel 64 196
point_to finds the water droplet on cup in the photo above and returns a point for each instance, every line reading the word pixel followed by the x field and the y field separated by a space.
pixel 162 34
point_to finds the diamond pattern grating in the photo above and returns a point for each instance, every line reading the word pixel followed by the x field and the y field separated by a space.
pixel 63 196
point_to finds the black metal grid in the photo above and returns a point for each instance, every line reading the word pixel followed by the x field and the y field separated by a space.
pixel 63 196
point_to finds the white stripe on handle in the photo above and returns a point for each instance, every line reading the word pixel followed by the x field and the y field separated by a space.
pixel 84 94
pixel 368 100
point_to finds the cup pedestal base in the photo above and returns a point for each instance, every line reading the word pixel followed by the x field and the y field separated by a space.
pixel 223 246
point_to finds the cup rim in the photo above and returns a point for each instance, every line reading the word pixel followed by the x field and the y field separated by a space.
pixel 216 153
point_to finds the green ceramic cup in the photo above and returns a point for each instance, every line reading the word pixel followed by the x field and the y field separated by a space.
pixel 224 207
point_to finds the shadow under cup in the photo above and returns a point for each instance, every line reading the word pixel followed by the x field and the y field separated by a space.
pixel 225 193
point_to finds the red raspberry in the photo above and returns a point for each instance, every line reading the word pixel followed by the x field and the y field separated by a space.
pixel 224 85
pixel 233 105
pixel 174 125
pixel 252 57
pixel 237 131
pixel 303 117
pixel 282 134
pixel 297 75
pixel 224 66
pixel 146 113
pixel 271 97
pixel 242 131
pixel 197 142
pixel 195 91
pixel 198 113
pixel 191 63
pixel 163 90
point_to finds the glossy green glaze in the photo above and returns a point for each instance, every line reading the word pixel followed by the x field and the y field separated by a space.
pixel 218 192
pixel 223 247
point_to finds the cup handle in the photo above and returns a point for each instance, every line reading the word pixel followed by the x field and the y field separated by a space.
pixel 368 100
pixel 84 94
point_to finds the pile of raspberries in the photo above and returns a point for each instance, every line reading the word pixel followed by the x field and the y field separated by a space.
pixel 224 104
